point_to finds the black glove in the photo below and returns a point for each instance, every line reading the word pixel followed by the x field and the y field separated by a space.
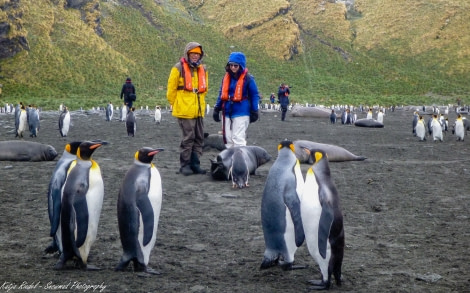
pixel 253 116
pixel 216 115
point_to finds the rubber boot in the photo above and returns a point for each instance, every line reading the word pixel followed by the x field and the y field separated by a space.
pixel 186 170
pixel 195 164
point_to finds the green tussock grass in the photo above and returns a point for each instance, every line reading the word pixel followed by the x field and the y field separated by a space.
pixel 384 53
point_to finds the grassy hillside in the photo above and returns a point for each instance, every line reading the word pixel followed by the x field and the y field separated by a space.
pixel 385 52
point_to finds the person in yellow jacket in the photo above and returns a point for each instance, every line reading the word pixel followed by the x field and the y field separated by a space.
pixel 186 91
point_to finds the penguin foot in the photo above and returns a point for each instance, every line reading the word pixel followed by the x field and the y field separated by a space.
pixel 151 271
pixel 52 248
pixel 291 267
pixel 268 263
pixel 319 285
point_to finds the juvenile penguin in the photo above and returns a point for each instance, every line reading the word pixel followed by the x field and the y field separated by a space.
pixel 158 115
pixel 130 122
pixel 459 129
pixel 420 129
pixel 109 112
pixel 33 121
pixel 54 194
pixel 82 199
pixel 64 122
pixel 138 211
pixel 323 221
pixel 239 171
pixel 280 209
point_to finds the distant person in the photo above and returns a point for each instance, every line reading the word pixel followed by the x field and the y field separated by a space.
pixel 333 117
pixel 128 92
pixel 238 101
pixel 272 98
pixel 283 99
pixel 187 89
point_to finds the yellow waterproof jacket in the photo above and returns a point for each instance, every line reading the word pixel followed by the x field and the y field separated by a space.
pixel 186 104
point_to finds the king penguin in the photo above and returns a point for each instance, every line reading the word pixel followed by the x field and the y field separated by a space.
pixel 138 211
pixel 33 121
pixel 158 115
pixel 64 122
pixel 280 209
pixel 82 199
pixel 420 129
pixel 109 112
pixel 459 128
pixel 323 221
pixel 54 194
pixel 22 121
pixel 130 122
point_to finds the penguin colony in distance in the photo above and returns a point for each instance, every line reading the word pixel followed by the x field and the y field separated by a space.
pixel 82 199
pixel 437 127
pixel 294 210
pixel 138 211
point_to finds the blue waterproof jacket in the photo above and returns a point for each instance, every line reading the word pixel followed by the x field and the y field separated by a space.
pixel 250 94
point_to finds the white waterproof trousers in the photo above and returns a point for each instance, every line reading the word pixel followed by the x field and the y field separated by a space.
pixel 235 131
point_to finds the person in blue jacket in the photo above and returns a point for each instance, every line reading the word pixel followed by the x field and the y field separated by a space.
pixel 283 99
pixel 238 101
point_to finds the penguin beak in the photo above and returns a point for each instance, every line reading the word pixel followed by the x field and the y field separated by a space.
pixel 155 151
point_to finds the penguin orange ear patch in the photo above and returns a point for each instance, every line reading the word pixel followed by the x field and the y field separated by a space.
pixel 318 156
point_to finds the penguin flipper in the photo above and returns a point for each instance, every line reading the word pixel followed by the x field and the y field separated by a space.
pixel 55 202
pixel 81 216
pixel 326 221
pixel 293 204
pixel 146 211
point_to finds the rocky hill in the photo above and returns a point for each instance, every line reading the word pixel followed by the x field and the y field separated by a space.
pixel 85 48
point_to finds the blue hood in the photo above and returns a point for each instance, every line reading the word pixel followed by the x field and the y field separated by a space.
pixel 239 58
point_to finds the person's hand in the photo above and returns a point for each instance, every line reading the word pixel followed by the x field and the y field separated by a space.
pixel 216 115
pixel 254 116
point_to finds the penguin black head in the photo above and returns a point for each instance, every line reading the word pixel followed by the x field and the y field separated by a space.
pixel 87 148
pixel 286 144
pixel 72 147
pixel 145 154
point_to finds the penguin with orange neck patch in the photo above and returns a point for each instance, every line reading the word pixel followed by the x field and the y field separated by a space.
pixel 138 211
pixel 323 221
pixel 82 199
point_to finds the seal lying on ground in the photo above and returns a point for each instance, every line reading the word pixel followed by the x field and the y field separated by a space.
pixel 368 123
pixel 313 112
pixel 15 150
pixel 254 156
pixel 215 141
pixel 334 153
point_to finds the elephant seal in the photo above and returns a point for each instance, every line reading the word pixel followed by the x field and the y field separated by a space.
pixel 215 141
pixel 26 151
pixel 335 153
pixel 313 112
pixel 372 123
pixel 254 156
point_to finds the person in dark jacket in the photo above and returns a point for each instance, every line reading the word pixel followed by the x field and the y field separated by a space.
pixel 283 99
pixel 128 92
pixel 238 101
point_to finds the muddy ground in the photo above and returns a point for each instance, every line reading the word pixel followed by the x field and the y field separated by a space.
pixel 406 211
